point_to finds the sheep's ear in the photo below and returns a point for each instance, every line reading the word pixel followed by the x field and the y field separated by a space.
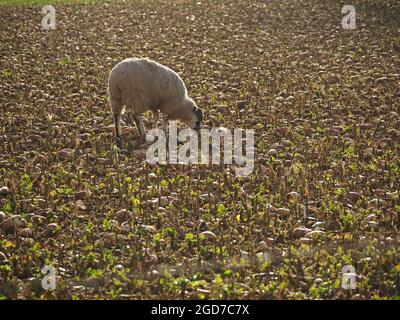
pixel 199 114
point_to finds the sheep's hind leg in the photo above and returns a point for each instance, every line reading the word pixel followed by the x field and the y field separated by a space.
pixel 118 134
pixel 141 128
pixel 116 109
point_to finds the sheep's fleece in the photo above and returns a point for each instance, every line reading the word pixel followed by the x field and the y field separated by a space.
pixel 142 85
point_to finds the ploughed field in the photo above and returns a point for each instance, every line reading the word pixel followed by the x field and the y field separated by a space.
pixel 324 193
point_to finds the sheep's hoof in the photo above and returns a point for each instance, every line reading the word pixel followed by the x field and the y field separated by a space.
pixel 118 142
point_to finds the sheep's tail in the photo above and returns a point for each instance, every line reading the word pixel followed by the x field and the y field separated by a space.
pixel 115 97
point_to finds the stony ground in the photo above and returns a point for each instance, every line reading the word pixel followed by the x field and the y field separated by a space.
pixel 324 104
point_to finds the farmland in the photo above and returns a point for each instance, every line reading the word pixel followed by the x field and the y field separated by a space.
pixel 324 103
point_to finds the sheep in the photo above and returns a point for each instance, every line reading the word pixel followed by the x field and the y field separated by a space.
pixel 145 85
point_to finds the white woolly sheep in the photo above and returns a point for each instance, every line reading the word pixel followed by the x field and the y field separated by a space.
pixel 145 85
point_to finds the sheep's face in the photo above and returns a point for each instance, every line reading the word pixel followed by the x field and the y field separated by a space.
pixel 194 119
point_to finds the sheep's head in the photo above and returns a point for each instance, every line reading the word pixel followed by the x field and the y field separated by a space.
pixel 194 117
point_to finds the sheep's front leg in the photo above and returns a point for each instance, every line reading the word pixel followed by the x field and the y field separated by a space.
pixel 141 128
pixel 165 122
pixel 156 117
